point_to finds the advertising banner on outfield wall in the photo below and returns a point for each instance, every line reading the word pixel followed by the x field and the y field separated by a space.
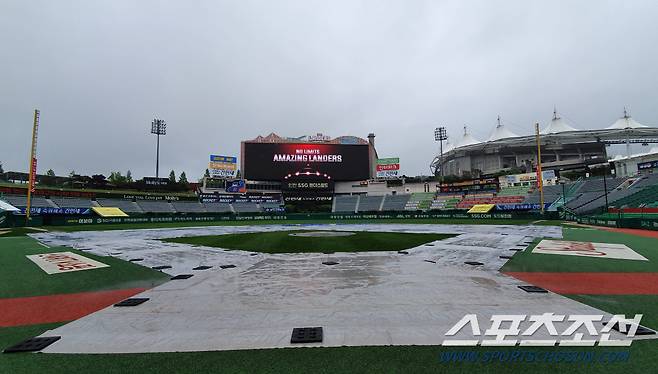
pixel 48 210
pixel 388 168
pixel 223 166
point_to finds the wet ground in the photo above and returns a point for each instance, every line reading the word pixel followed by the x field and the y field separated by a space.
pixel 367 298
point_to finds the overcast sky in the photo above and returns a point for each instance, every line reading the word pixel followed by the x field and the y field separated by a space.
pixel 223 71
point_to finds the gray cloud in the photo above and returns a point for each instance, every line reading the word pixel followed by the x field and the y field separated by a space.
pixel 221 72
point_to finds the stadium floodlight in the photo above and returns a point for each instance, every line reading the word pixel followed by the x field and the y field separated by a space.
pixel 158 127
pixel 440 135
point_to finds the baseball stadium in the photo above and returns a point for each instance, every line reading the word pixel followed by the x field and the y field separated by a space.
pixel 530 253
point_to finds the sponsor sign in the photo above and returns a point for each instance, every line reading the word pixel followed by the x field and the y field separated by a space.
pixel 521 206
pixel 320 198
pixel 64 262
pixel 247 198
pixel 153 181
pixel 48 210
pixel 647 165
pixel 33 173
pixel 319 137
pixel 587 249
pixel 223 166
pixel 388 167
pixel 237 186
pixel 549 178
pixel 308 185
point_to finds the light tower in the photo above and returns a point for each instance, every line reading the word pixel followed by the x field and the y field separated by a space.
pixel 158 127
pixel 440 135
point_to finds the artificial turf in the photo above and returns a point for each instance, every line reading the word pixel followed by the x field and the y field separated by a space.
pixel 647 305
pixel 20 277
pixel 283 242
pixel 534 262
pixel 385 359
pixel 382 359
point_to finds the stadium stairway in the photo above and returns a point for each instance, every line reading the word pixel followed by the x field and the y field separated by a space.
pixel 369 203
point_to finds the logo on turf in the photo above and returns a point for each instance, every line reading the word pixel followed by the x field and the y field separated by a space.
pixel 552 329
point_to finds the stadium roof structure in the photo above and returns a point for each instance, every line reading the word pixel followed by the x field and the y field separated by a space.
pixel 626 122
pixel 448 147
pixel 652 151
pixel 625 130
pixel 500 132
pixel 609 136
pixel 557 125
pixel 557 135
pixel 466 140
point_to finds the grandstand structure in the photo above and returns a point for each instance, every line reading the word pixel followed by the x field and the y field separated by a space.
pixel 133 207
pixel 581 197
pixel 563 148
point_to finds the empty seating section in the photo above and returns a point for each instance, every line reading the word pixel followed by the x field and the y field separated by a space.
pixel 395 202
pixel 20 201
pixel 369 203
pixel 514 191
pixel 642 197
pixel 153 206
pixel 445 202
pixel 592 195
pixel 217 207
pixel 646 181
pixel 269 206
pixel 245 207
pixel 125 205
pixel 475 199
pixel 188 207
pixel 345 203
pixel 420 201
pixel 551 193
pixel 71 202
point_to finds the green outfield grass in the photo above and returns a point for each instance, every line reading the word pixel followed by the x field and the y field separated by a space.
pixel 18 231
pixel 20 277
pixel 283 242
pixel 164 225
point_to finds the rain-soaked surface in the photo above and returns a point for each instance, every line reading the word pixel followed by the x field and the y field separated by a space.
pixel 367 298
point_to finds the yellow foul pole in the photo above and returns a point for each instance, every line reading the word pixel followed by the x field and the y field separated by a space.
pixel 540 179
pixel 32 166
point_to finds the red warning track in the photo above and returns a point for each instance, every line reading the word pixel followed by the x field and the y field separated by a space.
pixel 593 283
pixel 638 232
pixel 58 308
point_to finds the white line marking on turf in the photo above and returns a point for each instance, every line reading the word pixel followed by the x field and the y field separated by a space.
pixel 43 245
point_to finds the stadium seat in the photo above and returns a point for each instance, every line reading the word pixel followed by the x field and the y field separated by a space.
pixel 345 203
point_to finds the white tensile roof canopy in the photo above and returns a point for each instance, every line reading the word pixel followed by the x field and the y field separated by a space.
pixel 500 132
pixel 626 122
pixel 557 125
pixel 467 139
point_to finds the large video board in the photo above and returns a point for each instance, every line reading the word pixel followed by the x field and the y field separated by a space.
pixel 274 161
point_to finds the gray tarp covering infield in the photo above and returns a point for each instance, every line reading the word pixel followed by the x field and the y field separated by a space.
pixel 369 298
